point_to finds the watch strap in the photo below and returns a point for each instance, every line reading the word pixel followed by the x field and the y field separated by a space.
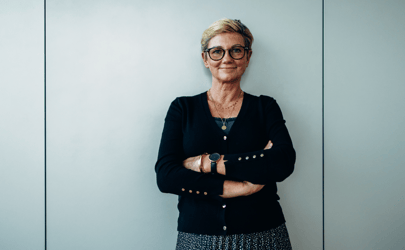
pixel 213 167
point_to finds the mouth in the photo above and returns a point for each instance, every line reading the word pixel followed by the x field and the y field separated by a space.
pixel 229 68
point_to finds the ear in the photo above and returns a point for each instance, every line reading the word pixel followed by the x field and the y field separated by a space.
pixel 204 59
pixel 248 58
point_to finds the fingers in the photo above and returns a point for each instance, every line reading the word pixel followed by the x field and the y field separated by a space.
pixel 258 187
pixel 192 163
pixel 252 188
pixel 269 145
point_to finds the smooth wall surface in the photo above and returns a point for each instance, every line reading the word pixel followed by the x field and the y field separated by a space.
pixel 364 124
pixel 113 69
pixel 22 125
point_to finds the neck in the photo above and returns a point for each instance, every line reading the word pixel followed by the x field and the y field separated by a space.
pixel 225 93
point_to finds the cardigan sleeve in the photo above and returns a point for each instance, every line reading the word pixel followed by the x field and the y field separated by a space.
pixel 265 166
pixel 172 176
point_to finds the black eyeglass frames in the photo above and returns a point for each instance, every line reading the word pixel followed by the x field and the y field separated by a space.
pixel 236 52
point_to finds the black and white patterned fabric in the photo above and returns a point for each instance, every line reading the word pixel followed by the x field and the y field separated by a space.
pixel 273 239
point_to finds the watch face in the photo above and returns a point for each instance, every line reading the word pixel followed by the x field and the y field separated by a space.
pixel 214 157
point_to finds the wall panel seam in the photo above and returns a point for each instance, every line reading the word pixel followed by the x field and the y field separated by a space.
pixel 45 145
pixel 323 124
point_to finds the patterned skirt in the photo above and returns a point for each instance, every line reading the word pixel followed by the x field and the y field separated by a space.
pixel 273 239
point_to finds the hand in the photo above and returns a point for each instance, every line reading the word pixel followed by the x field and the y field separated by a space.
pixel 251 188
pixel 193 163
pixel 269 145
pixel 234 189
pixel 206 164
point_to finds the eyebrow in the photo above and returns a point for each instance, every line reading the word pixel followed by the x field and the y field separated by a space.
pixel 231 46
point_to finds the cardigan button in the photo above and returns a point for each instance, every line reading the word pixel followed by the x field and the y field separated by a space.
pixel 205 193
pixel 224 228
pixel 254 156
pixel 240 158
pixel 224 138
pixel 183 189
pixel 224 206
pixel 197 192
pixel 190 191
pixel 261 155
pixel 247 157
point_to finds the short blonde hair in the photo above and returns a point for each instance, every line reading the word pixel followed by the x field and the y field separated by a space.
pixel 226 25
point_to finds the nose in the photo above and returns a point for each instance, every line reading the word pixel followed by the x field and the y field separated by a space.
pixel 227 56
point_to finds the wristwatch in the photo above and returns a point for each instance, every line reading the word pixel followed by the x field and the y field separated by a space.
pixel 214 158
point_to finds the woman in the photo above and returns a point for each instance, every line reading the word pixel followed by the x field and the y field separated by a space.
pixel 222 152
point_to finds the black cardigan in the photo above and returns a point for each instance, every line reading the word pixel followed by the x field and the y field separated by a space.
pixel 190 130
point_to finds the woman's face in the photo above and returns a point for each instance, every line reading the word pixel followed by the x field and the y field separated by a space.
pixel 227 69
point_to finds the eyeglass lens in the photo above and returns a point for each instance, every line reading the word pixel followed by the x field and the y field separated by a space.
pixel 236 53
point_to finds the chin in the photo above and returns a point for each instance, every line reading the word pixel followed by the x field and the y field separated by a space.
pixel 228 78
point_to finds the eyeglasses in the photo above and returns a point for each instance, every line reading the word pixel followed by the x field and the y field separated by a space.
pixel 236 52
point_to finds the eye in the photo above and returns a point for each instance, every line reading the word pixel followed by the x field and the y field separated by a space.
pixel 216 51
pixel 237 50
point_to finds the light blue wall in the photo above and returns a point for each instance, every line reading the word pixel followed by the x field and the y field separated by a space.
pixel 364 124
pixel 22 125
pixel 113 67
